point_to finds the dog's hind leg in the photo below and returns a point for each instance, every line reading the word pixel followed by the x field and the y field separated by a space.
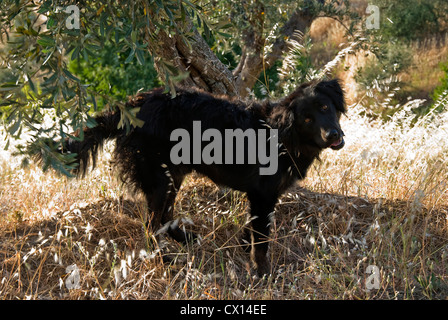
pixel 261 209
pixel 157 192
pixel 160 188
pixel 167 218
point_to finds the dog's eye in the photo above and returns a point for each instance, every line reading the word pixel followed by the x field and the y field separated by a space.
pixel 308 120
pixel 324 107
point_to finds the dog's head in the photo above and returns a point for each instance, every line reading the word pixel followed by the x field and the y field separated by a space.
pixel 316 108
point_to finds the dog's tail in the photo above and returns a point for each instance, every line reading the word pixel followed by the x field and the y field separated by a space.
pixel 94 138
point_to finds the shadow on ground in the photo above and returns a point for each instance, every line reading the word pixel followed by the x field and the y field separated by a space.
pixel 321 247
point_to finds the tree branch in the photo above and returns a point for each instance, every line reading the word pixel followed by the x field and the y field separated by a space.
pixel 210 69
pixel 206 71
pixel 196 58
pixel 252 61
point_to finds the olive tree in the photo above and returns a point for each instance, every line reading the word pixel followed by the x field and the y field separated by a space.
pixel 187 40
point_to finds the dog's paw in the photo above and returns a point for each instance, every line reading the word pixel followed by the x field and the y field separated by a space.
pixel 180 236
pixel 262 266
pixel 244 241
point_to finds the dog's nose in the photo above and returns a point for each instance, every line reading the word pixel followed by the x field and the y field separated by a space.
pixel 333 134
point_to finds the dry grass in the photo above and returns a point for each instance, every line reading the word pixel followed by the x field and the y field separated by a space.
pixel 382 201
pixel 425 73
pixel 327 35
pixel 419 80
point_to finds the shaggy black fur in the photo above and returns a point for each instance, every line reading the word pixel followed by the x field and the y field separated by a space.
pixel 307 121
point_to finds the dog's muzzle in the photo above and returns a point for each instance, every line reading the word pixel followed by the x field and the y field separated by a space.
pixel 338 139
pixel 338 144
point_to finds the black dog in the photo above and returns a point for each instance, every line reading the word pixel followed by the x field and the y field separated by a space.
pixel 307 121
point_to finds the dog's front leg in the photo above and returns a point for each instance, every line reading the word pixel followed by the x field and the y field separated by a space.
pixel 262 209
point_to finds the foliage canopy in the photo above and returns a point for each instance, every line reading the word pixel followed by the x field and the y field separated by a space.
pixel 64 60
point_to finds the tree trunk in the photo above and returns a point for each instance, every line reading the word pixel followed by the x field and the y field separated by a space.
pixel 207 72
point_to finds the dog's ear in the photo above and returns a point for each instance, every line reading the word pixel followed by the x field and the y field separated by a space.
pixel 299 92
pixel 334 91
